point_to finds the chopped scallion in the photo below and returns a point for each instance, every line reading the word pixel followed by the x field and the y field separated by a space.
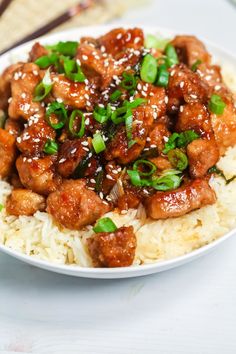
pixel 43 88
pixel 56 115
pixel 148 72
pixel 51 147
pixel 171 55
pixel 146 164
pixel 74 132
pixel 216 105
pixel 152 41
pixel 195 65
pixel 115 95
pixel 98 143
pixel 105 225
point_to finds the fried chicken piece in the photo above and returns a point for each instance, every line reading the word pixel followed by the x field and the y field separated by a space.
pixel 202 155
pixel 70 155
pixel 34 137
pixel 71 93
pixel 24 202
pixel 113 249
pixel 125 45
pixel 5 84
pixel 190 49
pixel 37 51
pixel 97 68
pixel 178 202
pixel 7 153
pixel 185 86
pixel 23 84
pixel 74 206
pixel 118 148
pixel 224 125
pixel 38 174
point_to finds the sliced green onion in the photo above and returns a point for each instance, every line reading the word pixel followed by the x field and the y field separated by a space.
pixel 115 95
pixel 162 76
pixel 98 143
pixel 195 65
pixel 180 140
pixel 129 81
pixel 1 207
pixel 60 112
pixel 43 88
pixel 167 182
pixel 117 116
pixel 171 55
pixel 152 41
pixel 135 103
pixel 47 60
pixel 178 159
pixel 186 138
pixel 73 70
pixel 148 72
pixel 145 163
pixel 216 105
pixel 129 126
pixel 51 147
pixel 75 114
pixel 102 114
pixel 135 178
pixel 104 225
pixel 68 48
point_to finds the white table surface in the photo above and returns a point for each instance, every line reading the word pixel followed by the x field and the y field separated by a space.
pixel 188 310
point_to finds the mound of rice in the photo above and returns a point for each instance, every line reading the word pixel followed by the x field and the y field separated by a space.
pixel 38 236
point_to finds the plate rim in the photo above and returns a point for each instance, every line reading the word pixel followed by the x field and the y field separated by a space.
pixel 134 270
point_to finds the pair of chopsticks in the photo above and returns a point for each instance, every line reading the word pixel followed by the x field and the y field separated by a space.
pixel 4 5
pixel 64 17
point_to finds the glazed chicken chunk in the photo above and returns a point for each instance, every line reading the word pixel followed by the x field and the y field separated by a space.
pixel 73 205
pixel 115 249
pixel 24 202
pixel 191 196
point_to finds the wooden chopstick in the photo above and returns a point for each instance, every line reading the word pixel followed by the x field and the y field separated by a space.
pixel 4 5
pixel 64 17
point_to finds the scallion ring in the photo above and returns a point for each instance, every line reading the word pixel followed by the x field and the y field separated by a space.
pixel 147 164
pixel 216 105
pixel 162 76
pixel 51 147
pixel 56 111
pixel 98 143
pixel 105 225
pixel 74 132
pixel 129 81
pixel 167 182
pixel 152 41
pixel 102 114
pixel 43 88
pixel 148 72
pixel 135 178
pixel 178 159
pixel 171 54
pixel 115 95
pixel 73 70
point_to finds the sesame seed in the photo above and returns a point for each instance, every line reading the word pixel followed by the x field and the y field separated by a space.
pixel 119 36
pixel 92 180
pixel 84 57
pixel 101 195
pixel 84 143
pixel 109 177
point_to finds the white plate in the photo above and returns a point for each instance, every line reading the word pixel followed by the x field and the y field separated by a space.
pixel 20 53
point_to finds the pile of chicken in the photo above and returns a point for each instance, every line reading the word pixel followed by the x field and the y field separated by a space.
pixel 48 182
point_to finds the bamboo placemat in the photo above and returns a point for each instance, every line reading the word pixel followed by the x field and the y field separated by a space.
pixel 22 17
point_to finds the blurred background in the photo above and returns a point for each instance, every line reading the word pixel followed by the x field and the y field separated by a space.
pixel 212 19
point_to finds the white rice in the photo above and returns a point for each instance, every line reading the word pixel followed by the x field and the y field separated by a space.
pixel 38 236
